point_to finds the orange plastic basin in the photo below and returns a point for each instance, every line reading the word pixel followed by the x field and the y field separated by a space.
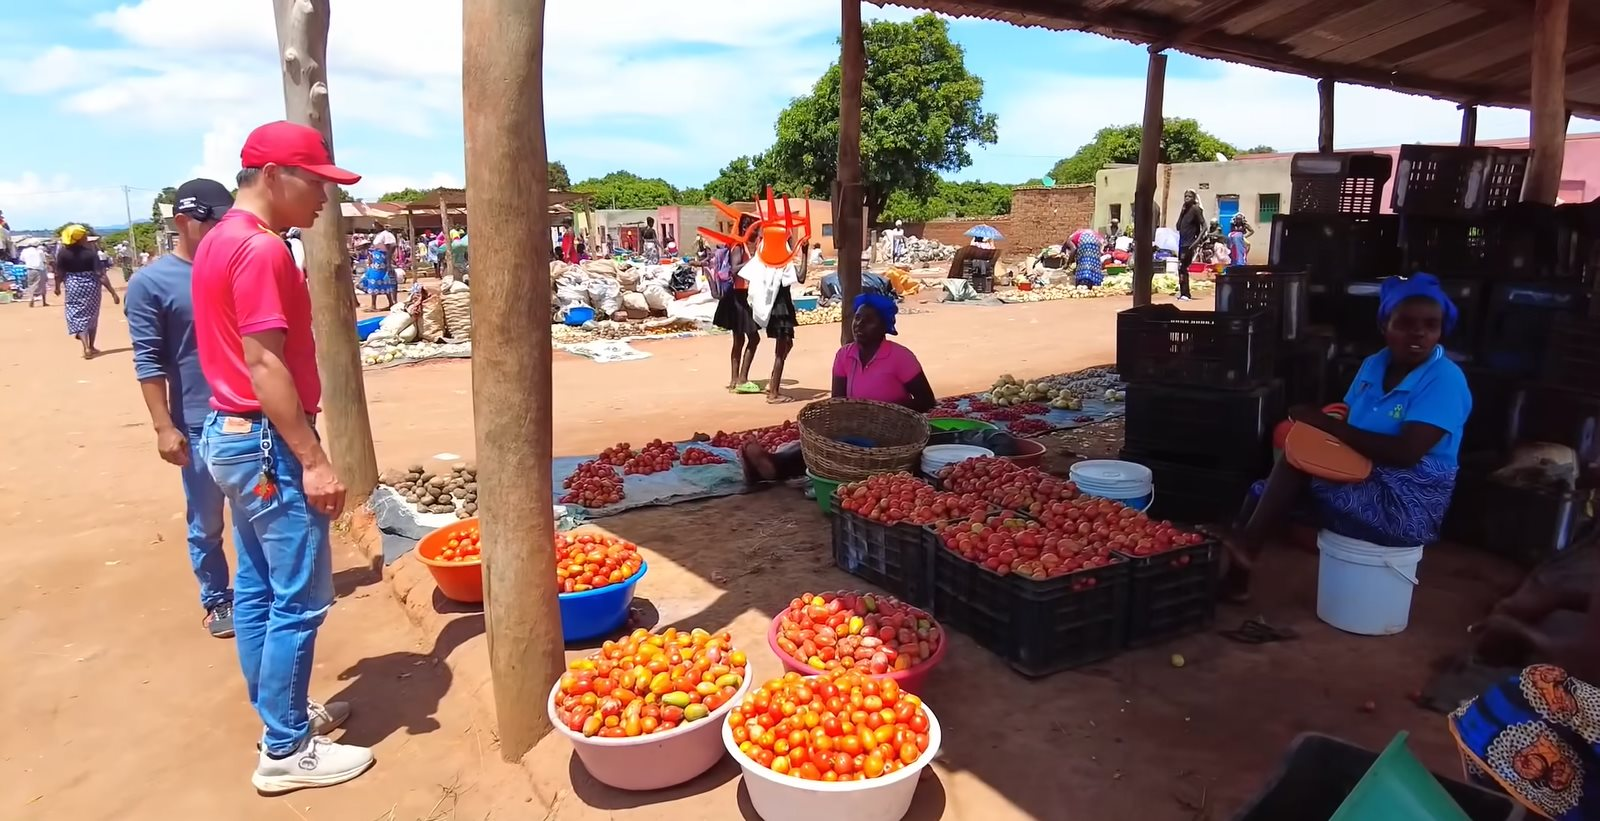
pixel 458 581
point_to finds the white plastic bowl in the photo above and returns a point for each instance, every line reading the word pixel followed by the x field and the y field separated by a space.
pixel 937 457
pixel 657 761
pixel 788 798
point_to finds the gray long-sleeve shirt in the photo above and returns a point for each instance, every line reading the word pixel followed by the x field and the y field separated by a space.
pixel 160 315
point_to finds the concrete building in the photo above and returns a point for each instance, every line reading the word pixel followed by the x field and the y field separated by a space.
pixel 677 223
pixel 1258 186
pixel 1039 217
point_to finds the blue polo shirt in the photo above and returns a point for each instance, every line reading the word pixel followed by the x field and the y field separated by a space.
pixel 161 324
pixel 1434 393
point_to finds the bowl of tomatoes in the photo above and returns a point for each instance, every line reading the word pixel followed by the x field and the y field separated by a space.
pixel 596 573
pixel 804 759
pixel 868 632
pixel 452 554
pixel 643 712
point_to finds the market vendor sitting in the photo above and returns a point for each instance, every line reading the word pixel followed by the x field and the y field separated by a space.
pixel 872 367
pixel 1408 405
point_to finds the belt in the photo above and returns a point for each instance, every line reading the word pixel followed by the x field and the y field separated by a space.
pixel 259 416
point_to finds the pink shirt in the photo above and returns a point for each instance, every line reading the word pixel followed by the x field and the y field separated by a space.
pixel 883 378
pixel 246 282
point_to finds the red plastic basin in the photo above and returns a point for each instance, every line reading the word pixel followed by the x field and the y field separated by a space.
pixel 910 680
pixel 1032 453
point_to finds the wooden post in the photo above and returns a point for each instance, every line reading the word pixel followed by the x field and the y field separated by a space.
pixel 1325 115
pixel 503 107
pixel 848 226
pixel 303 49
pixel 1547 102
pixel 1469 126
pixel 1144 193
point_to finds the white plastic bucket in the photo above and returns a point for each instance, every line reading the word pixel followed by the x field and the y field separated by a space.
pixel 938 457
pixel 777 797
pixel 1363 588
pixel 1130 483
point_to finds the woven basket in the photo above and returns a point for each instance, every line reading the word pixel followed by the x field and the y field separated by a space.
pixel 900 434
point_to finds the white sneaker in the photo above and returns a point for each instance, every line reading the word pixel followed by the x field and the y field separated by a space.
pixel 325 718
pixel 318 763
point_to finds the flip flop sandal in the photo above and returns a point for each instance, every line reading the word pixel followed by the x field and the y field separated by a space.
pixel 748 388
pixel 1257 631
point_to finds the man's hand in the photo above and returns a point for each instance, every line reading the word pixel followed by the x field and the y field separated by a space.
pixel 173 446
pixel 324 492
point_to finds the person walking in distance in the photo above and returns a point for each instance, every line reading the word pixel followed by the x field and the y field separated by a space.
pixel 1191 227
pixel 161 325
pixel 252 316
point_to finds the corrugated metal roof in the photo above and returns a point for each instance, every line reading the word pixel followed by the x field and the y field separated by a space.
pixel 1468 51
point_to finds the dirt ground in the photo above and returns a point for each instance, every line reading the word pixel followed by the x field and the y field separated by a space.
pixel 128 710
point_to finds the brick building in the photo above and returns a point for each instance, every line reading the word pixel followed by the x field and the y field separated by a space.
pixel 1039 217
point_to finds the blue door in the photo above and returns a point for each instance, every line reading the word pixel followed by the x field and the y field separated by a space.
pixel 1227 207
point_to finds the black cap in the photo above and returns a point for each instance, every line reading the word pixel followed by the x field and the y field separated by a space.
pixel 203 200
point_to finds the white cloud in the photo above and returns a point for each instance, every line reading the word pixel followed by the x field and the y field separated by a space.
pixel 33 201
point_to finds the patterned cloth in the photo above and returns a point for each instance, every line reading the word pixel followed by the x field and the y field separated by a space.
pixel 378 278
pixel 1090 270
pixel 1535 736
pixel 83 302
pixel 652 252
pixel 1393 507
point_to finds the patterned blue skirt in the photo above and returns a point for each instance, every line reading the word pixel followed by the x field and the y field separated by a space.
pixel 378 281
pixel 1535 736
pixel 1394 507
pixel 1090 271
pixel 83 302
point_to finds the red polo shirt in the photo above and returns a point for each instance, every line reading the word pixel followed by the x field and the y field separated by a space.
pixel 246 282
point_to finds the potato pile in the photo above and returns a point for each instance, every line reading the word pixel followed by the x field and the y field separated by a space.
pixel 456 492
pixel 820 316
pixel 1007 390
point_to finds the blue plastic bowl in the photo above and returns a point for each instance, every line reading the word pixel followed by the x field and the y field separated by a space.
pixel 367 327
pixel 579 315
pixel 806 303
pixel 597 612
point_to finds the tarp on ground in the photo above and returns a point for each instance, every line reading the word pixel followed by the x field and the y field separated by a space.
pixel 682 483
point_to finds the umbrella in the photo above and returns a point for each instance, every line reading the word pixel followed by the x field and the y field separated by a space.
pixel 983 232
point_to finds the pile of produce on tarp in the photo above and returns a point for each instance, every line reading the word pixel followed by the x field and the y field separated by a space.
pixel 614 288
pixel 918 249
pixel 1036 406
pixel 432 322
pixel 660 473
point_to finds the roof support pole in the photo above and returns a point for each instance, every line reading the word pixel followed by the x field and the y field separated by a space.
pixel 848 227
pixel 1548 98
pixel 1325 115
pixel 303 52
pixel 503 111
pixel 1144 192
pixel 1469 126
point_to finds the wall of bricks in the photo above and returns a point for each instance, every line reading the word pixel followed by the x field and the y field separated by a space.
pixel 1039 217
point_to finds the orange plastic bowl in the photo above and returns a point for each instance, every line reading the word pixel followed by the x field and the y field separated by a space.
pixel 911 679
pixel 1030 453
pixel 458 581
pixel 1024 285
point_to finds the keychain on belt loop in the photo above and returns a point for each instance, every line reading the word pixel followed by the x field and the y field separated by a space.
pixel 267 485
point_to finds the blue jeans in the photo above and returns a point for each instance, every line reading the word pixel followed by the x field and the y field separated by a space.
pixel 284 586
pixel 203 510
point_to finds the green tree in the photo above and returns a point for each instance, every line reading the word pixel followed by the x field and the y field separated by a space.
pixel 403 195
pixel 745 178
pixel 559 179
pixel 144 238
pixel 967 200
pixel 1260 149
pixel 692 196
pixel 1182 140
pixel 921 110
pixel 168 195
pixel 344 196
pixel 624 189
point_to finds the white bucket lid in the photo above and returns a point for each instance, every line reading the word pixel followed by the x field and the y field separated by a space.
pixel 953 453
pixel 1111 473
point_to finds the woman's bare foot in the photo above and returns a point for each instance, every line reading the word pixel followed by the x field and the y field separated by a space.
pixel 1236 571
pixel 779 398
pixel 757 463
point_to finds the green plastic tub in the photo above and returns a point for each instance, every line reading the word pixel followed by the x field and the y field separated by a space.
pixel 960 424
pixel 824 488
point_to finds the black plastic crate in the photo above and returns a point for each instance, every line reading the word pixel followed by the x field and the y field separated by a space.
pixel 1248 289
pixel 1163 344
pixel 1489 428
pixel 1446 247
pixel 1303 369
pixel 893 557
pixel 1452 180
pixel 1037 627
pixel 1172 594
pixel 1517 323
pixel 1572 355
pixel 1190 494
pixel 1544 413
pixel 1334 248
pixel 1358 332
pixel 1346 182
pixel 1217 428
pixel 1319 772
pixel 1529 525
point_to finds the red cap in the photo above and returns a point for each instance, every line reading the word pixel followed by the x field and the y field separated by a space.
pixel 295 146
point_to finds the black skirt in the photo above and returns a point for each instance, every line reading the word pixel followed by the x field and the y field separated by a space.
pixel 733 312
pixel 783 319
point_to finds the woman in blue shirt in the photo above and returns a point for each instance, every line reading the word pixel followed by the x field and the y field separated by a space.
pixel 1408 405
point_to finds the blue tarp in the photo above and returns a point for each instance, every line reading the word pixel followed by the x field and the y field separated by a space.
pixel 1094 410
pixel 680 484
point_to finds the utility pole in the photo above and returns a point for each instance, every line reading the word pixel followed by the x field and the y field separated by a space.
pixel 133 240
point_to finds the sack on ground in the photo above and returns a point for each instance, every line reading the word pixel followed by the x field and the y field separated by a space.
pixel 605 296
pixel 458 315
pixel 636 306
pixel 394 322
pixel 657 297
pixel 432 317
pixel 629 279
pixel 958 290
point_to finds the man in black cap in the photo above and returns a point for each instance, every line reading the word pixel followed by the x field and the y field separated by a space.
pixel 167 364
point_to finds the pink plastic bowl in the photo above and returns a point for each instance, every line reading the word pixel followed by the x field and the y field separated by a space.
pixel 909 680
pixel 653 762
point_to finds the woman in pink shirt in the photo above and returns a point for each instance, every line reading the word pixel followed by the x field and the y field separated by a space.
pixel 872 367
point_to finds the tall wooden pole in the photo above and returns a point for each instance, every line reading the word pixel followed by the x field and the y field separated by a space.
pixel 1144 192
pixel 1325 115
pixel 1469 126
pixel 848 227
pixel 303 49
pixel 1548 102
pixel 503 105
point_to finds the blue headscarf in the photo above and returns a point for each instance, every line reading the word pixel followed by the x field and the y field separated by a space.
pixel 1398 289
pixel 884 306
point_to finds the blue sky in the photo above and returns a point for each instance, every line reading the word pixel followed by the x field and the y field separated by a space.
pixel 146 93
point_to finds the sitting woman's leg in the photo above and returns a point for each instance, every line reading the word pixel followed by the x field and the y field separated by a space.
pixel 1285 486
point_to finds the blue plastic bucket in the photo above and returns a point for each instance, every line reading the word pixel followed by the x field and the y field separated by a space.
pixel 595 613
pixel 578 315
pixel 367 327
pixel 1130 483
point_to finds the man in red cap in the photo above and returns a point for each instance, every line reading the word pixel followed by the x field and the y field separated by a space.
pixel 252 317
